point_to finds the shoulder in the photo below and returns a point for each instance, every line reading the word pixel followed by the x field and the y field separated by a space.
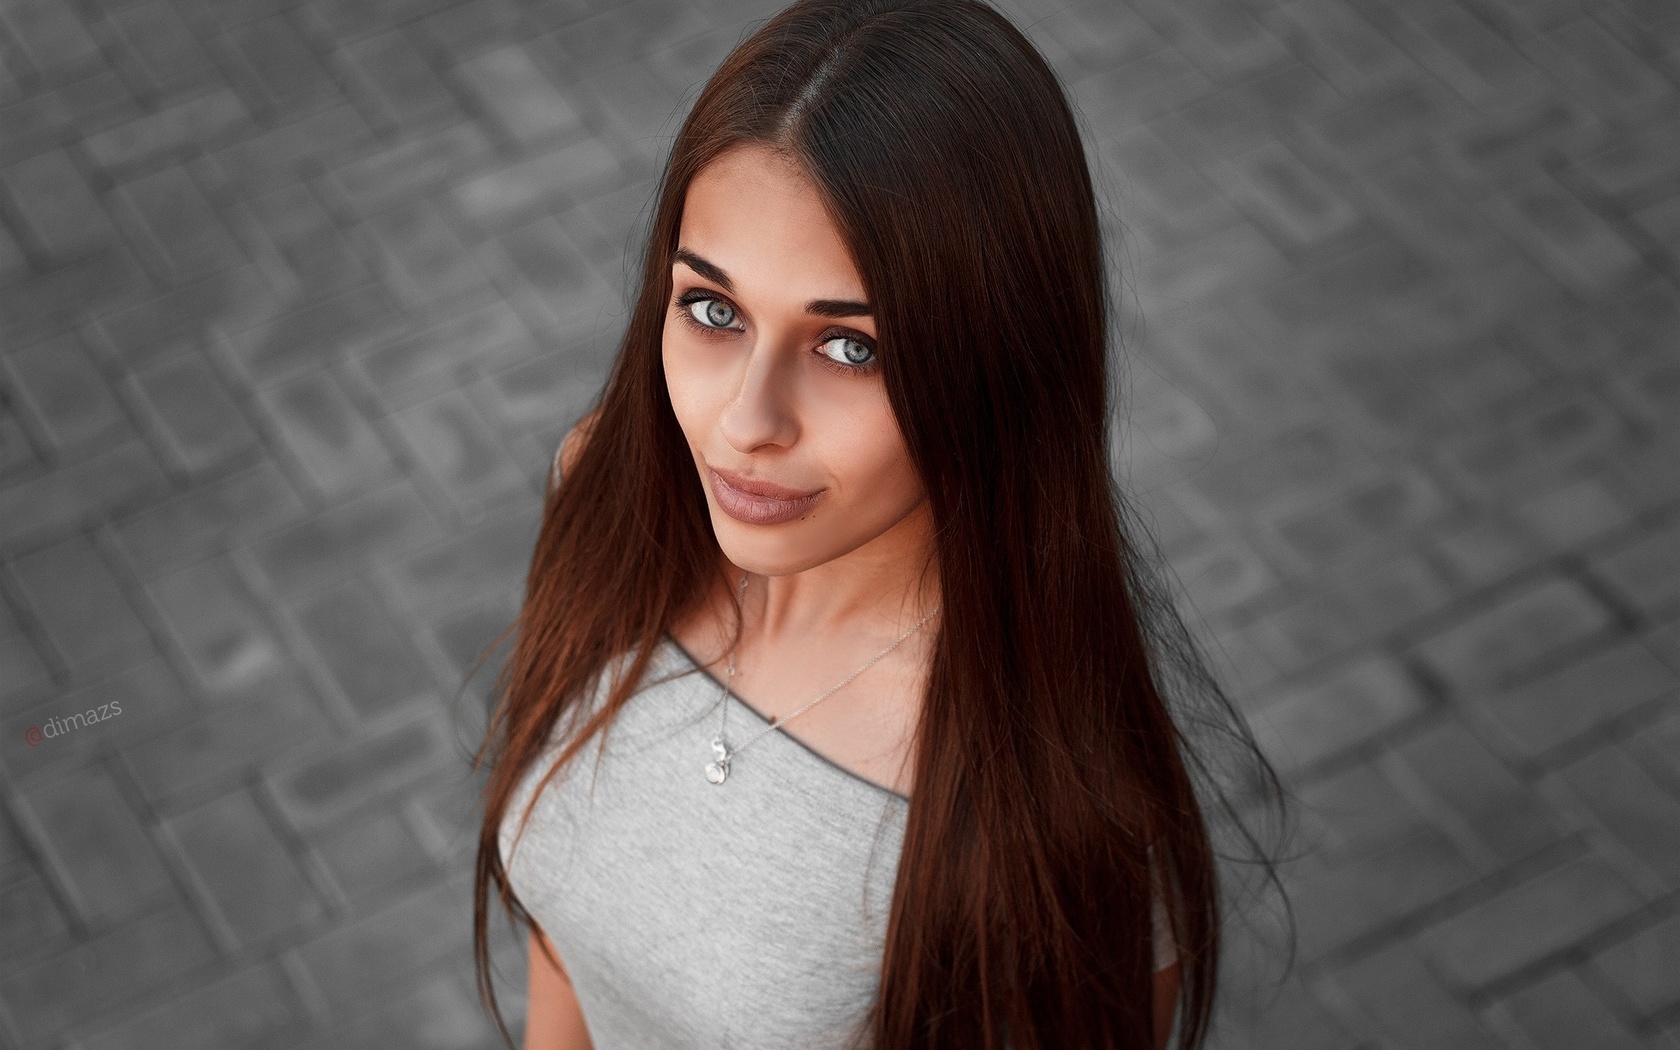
pixel 571 446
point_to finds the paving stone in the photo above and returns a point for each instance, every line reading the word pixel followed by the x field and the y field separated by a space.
pixel 220 624
pixel 392 79
pixel 366 648
pixel 285 153
pixel 31 922
pixel 1646 572
pixel 62 213
pixel 40 121
pixel 463 635
pixel 373 852
pixel 58 300
pixel 444 1013
pixel 1645 968
pixel 133 703
pixel 100 851
pixel 1652 387
pixel 81 605
pixel 454 446
pixel 1335 40
pixel 1355 811
pixel 163 45
pixel 640 113
pixel 1347 612
pixel 53 35
pixel 1288 1013
pixel 277 70
pixel 325 784
pixel 429 268
pixel 354 19
pixel 445 356
pixel 169 132
pixel 637 28
pixel 320 331
pixel 1562 1012
pixel 1492 814
pixel 1369 515
pixel 181 224
pixel 208 519
pixel 1227 579
pixel 1287 198
pixel 519 98
pixel 13 265
pixel 1598 68
pixel 101 484
pixel 1409 1003
pixel 1349 281
pixel 198 424
pixel 67 394
pixel 1500 935
pixel 329 434
pixel 1576 246
pixel 415 165
pixel 1360 895
pixel 1390 119
pixel 1575 513
pixel 23 668
pixel 78 988
pixel 543 258
pixel 200 755
pixel 357 961
pixel 249 879
pixel 188 316
pixel 308 238
pixel 1550 614
pixel 240 1009
pixel 382 524
pixel 546 395
pixel 1354 704
pixel 1632 805
pixel 1550 711
pixel 502 198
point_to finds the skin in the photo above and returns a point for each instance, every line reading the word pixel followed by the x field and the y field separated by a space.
pixel 763 388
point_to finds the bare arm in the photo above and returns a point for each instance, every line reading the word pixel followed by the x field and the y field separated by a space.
pixel 1166 1003
pixel 553 1019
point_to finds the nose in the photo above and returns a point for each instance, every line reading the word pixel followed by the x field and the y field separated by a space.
pixel 761 413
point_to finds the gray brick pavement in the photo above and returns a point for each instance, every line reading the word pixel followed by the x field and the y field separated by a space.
pixel 296 299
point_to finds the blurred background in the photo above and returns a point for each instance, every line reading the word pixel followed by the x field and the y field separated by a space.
pixel 297 298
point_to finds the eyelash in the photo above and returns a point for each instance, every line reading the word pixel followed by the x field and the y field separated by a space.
pixel 699 295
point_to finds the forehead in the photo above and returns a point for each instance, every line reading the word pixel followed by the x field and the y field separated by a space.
pixel 755 214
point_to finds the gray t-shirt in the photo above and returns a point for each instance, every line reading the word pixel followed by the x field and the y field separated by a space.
pixel 746 914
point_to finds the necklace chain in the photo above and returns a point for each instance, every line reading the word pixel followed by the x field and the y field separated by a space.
pixel 718 769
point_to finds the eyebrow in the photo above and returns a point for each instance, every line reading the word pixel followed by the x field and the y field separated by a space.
pixel 821 307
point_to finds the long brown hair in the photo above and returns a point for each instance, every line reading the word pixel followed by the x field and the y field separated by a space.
pixel 1048 762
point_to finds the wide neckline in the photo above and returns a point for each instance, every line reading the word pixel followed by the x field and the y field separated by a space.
pixel 783 733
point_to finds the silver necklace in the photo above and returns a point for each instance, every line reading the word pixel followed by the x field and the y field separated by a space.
pixel 717 771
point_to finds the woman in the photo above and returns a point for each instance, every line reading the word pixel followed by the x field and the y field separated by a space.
pixel 835 588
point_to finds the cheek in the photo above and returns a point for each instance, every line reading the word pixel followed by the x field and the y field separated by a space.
pixel 687 386
pixel 869 453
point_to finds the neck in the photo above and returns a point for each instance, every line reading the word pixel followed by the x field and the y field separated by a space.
pixel 882 588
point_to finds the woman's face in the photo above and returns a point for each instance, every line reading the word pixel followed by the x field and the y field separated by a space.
pixel 769 353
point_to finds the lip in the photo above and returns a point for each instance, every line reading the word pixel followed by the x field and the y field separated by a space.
pixel 758 502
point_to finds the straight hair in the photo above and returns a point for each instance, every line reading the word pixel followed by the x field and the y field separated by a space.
pixel 1049 764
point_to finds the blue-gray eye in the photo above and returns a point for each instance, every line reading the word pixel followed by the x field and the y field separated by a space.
pixel 718 314
pixel 851 352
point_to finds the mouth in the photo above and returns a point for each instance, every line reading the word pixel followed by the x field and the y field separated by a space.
pixel 754 501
